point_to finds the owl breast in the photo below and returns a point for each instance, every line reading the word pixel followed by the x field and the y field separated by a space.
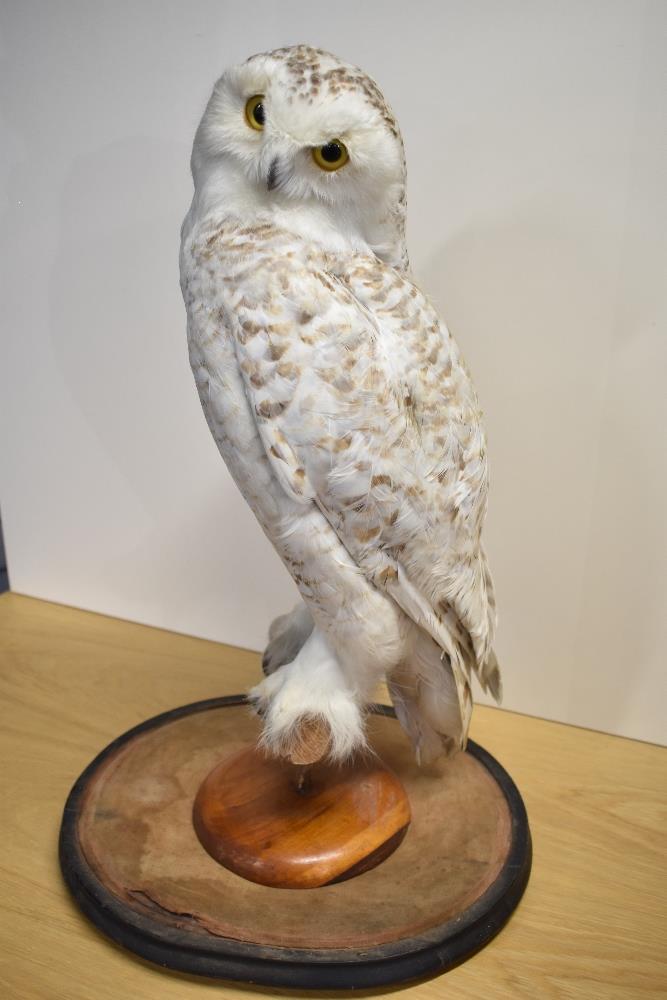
pixel 328 380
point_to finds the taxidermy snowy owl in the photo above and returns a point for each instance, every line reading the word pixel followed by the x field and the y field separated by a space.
pixel 341 405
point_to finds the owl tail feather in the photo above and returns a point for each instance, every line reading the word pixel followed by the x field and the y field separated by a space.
pixel 415 605
pixel 427 702
pixel 441 669
pixel 489 677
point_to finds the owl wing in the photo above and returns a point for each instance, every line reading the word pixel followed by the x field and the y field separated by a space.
pixel 365 408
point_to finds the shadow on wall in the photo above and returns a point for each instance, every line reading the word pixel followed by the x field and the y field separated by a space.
pixel 4 578
pixel 540 340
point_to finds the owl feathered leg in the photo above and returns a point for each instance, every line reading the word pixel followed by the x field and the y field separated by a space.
pixel 359 633
pixel 287 634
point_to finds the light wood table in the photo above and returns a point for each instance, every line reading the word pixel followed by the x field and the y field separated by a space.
pixel 592 923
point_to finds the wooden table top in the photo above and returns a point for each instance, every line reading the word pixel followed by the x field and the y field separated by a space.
pixel 593 922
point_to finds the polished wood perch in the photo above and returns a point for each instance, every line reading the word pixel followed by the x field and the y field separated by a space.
pixel 300 826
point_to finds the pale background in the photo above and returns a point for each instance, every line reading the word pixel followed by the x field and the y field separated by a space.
pixel 537 164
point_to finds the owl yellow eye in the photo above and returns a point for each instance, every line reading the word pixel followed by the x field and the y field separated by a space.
pixel 254 112
pixel 332 156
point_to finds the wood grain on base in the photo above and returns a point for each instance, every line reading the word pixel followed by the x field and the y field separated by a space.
pixel 299 827
pixel 311 741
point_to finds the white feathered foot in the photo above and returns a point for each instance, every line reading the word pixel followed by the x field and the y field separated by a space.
pixel 307 707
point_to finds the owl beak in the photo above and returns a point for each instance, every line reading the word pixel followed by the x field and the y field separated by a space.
pixel 272 176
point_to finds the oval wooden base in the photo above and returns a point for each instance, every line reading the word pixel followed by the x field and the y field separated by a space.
pixel 291 827
pixel 131 857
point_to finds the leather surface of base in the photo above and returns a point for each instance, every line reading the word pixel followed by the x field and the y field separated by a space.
pixel 132 858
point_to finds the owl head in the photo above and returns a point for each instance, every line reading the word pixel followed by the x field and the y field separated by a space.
pixel 298 128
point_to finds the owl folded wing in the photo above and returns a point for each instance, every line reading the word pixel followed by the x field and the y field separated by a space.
pixel 365 409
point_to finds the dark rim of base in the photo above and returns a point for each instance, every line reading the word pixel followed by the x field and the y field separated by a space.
pixel 432 951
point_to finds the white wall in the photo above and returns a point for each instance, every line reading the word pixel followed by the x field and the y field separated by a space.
pixel 537 223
